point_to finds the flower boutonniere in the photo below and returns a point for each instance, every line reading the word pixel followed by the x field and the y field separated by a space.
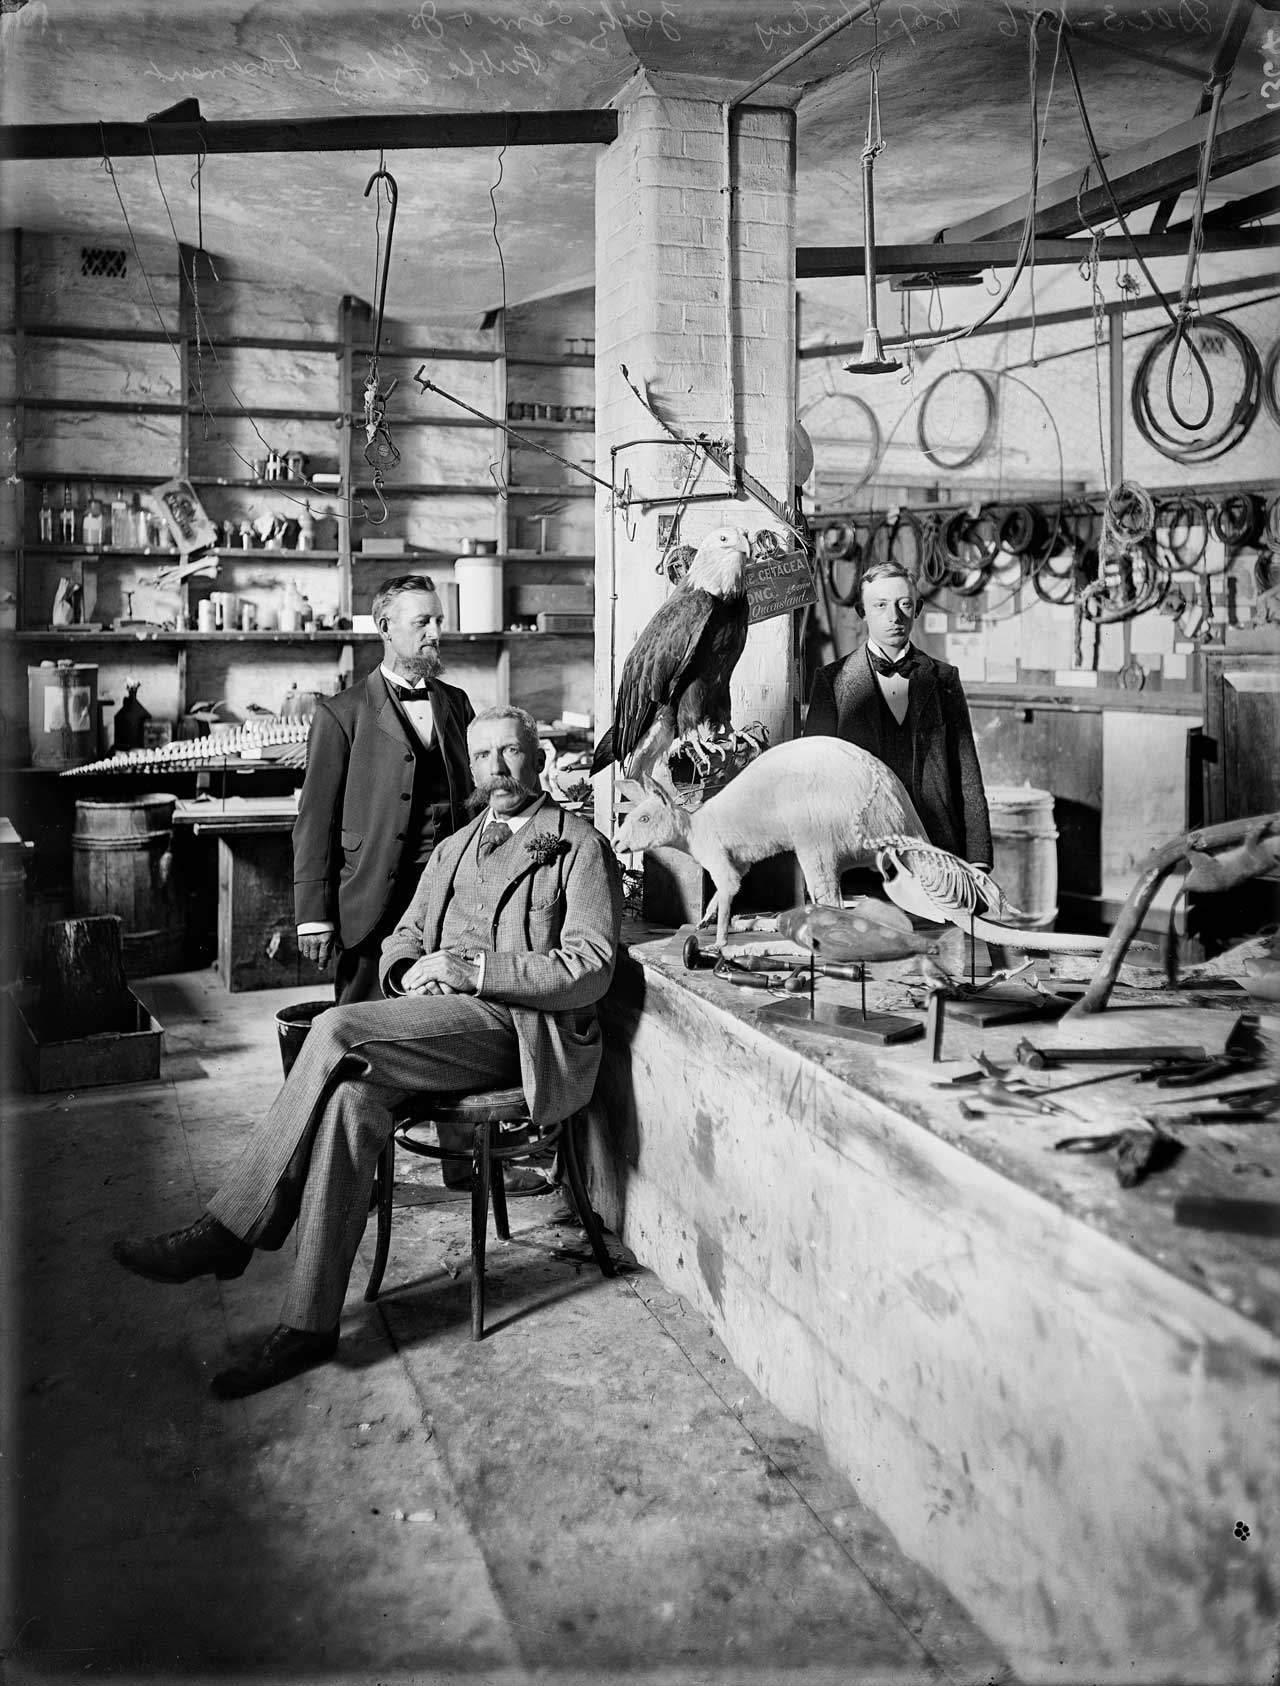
pixel 544 846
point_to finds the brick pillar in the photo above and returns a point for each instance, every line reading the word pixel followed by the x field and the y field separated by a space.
pixel 661 261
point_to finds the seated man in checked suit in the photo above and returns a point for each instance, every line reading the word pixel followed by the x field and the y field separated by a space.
pixel 492 979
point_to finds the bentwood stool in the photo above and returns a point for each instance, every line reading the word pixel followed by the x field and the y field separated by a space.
pixel 490 1113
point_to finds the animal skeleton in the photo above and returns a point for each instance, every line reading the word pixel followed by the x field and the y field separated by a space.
pixel 934 884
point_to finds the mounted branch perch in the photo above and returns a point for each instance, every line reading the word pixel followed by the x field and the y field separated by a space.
pixel 1260 852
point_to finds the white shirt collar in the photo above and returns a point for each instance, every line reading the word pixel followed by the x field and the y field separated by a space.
pixel 515 821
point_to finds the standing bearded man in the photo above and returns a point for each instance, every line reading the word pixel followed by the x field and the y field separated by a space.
pixel 387 780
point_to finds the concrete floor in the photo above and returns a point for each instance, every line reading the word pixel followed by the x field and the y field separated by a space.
pixel 595 1492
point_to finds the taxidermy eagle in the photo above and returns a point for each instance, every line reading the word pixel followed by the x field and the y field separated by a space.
pixel 673 696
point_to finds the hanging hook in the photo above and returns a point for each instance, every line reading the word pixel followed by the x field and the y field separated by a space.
pixel 393 193
pixel 376 520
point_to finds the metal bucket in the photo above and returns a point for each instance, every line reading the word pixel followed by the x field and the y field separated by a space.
pixel 292 1025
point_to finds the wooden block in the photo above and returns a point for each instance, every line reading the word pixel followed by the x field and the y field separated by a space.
pixel 82 971
pixel 1147 1029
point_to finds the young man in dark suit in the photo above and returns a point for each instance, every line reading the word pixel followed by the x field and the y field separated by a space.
pixel 492 979
pixel 910 711
pixel 387 779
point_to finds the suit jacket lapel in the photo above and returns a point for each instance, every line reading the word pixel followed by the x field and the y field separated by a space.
pixel 861 701
pixel 383 705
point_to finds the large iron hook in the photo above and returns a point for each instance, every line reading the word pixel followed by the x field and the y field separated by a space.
pixel 393 194
pixel 376 520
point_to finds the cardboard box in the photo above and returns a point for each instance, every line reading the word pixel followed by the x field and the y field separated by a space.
pixel 88 1062
pixel 566 623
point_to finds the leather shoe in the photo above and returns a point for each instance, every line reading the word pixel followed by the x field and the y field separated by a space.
pixel 202 1248
pixel 285 1352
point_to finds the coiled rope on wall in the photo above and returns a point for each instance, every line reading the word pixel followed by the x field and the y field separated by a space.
pixel 981 446
pixel 1198 447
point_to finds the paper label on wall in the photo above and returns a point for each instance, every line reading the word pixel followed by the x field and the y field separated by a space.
pixel 1047 639
pixel 1110 640
pixel 1175 666
pixel 935 620
pixel 1002 641
pixel 1151 634
pixel 1001 672
pixel 966 651
pixel 1082 678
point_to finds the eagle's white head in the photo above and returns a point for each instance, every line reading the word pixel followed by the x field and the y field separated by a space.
pixel 720 566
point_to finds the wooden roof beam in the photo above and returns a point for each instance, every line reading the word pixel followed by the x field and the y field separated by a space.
pixel 934 258
pixel 187 135
pixel 1140 175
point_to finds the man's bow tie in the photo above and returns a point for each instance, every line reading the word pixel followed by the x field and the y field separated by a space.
pixel 494 835
pixel 885 668
pixel 409 693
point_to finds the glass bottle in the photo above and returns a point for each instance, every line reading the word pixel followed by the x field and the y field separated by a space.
pixel 67 516
pixel 141 524
pixel 120 532
pixel 46 515
pixel 94 527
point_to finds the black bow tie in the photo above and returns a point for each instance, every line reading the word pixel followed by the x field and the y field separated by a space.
pixel 408 693
pixel 494 835
pixel 885 668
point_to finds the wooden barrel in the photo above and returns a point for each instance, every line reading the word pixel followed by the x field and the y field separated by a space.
pixel 122 863
pixel 1025 845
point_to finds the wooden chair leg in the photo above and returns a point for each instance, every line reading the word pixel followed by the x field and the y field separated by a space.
pixel 498 1191
pixel 578 1189
pixel 384 1182
pixel 481 1176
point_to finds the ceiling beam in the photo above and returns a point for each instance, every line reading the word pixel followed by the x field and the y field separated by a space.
pixel 1224 60
pixel 933 258
pixel 426 130
pixel 1140 175
pixel 1052 318
pixel 1238 211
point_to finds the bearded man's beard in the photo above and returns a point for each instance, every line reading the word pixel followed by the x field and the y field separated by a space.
pixel 426 665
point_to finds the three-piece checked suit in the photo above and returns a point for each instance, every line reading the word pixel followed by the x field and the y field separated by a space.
pixel 374 803
pixel 545 911
pixel 933 752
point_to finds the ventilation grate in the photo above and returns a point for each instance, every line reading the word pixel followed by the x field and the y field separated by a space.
pixel 105 263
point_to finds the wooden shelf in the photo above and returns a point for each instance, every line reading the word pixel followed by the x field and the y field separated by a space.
pixel 429 489
pixel 440 556
pixel 171 635
pixel 552 360
pixel 167 558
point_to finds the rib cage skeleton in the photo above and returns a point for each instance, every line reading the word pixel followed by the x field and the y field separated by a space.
pixel 934 884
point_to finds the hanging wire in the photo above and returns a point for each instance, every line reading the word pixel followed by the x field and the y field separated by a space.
pixel 109 167
pixel 1026 241
pixel 496 471
pixel 289 496
pixel 1180 319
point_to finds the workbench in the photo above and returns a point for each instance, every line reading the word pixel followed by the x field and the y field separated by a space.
pixel 257 935
pixel 1059 1393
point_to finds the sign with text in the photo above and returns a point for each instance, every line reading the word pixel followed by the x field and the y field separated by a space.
pixel 778 582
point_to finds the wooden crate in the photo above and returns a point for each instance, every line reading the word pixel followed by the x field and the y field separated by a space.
pixel 88 1062
pixel 257 937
